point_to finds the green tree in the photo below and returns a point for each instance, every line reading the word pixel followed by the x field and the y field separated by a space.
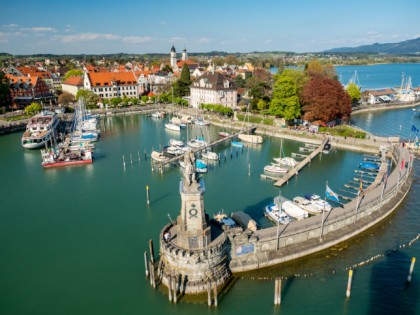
pixel 240 82
pixel 90 98
pixel 354 92
pixel 65 98
pixel 182 86
pixel 73 73
pixel 4 91
pixel 33 109
pixel 144 99
pixel 285 101
pixel 261 105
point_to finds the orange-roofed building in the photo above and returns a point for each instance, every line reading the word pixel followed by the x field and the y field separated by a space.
pixel 111 84
pixel 72 85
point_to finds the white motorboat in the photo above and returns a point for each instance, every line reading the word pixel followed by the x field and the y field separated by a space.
pixel 159 157
pixel 294 210
pixel 306 205
pixel 274 168
pixel 209 155
pixel 158 115
pixel 287 161
pixel 173 127
pixel 197 143
pixel 326 149
pixel 40 130
pixel 317 201
pixel 176 143
pixel 173 150
pixel 275 214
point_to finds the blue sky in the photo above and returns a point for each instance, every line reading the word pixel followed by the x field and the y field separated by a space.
pixel 99 27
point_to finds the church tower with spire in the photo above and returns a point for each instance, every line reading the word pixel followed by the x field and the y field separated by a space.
pixel 184 54
pixel 173 57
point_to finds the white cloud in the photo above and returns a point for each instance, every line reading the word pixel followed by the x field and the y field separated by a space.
pixel 42 29
pixel 177 39
pixel 12 25
pixel 204 40
pixel 269 41
pixel 136 39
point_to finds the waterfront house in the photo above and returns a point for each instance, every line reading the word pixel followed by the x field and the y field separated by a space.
pixel 111 84
pixel 24 90
pixel 378 96
pixel 72 85
pixel 213 88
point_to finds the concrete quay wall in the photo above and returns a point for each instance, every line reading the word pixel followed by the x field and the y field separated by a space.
pixel 300 238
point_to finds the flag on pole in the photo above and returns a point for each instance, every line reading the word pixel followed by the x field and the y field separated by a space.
pixel 329 194
pixel 414 129
pixel 402 164
pixel 361 185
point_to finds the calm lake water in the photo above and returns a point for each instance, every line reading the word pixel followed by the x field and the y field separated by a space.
pixel 72 239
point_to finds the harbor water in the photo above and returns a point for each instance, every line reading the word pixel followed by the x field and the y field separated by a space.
pixel 72 239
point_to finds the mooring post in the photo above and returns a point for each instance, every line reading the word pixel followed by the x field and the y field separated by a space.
pixel 279 295
pixel 147 195
pixel 170 288
pixel 276 290
pixel 349 283
pixel 413 261
pixel 131 159
pixel 123 161
pixel 145 155
pixel 175 288
pixel 146 264
pixel 152 274
pixel 152 252
pixel 249 169
pixel 209 293
pixel 215 293
pixel 138 155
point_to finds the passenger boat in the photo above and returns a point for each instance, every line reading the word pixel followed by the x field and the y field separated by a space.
pixel 318 202
pixel 40 130
pixel 276 215
pixel 65 157
pixel 209 155
pixel 159 157
pixel 274 168
pixel 306 205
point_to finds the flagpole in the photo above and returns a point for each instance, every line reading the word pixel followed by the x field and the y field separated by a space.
pixel 278 223
pixel 357 206
pixel 323 213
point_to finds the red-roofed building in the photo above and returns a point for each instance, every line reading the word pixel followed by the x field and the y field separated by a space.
pixel 72 85
pixel 111 84
pixel 25 90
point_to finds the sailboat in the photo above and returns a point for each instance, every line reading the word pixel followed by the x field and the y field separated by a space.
pixel 280 161
pixel 172 126
pixel 406 93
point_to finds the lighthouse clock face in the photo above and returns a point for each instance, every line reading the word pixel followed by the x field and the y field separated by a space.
pixel 193 212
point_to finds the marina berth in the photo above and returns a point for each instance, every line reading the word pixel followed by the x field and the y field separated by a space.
pixel 250 138
pixel 209 155
pixel 306 205
pixel 274 168
pixel 173 150
pixel 197 143
pixel 40 130
pixel 173 127
pixel 273 212
pixel 318 202
pixel 159 157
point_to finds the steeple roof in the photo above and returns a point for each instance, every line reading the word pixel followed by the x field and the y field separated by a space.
pixel 173 49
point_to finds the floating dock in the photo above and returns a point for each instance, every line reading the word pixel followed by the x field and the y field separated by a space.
pixel 295 170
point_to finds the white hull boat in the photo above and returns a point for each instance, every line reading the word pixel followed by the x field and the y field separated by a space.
pixel 276 215
pixel 159 157
pixel 40 130
pixel 250 138
pixel 209 155
pixel 294 211
pixel 173 127
pixel 275 169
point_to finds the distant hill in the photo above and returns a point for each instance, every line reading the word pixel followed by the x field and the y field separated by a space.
pixel 408 47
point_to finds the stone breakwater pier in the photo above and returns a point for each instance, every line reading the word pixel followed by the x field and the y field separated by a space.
pixel 198 255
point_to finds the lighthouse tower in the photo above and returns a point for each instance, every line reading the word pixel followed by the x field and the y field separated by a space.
pixel 193 252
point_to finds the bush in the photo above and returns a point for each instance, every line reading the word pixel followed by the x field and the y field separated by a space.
pixel 343 131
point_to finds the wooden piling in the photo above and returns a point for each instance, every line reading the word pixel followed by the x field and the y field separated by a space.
pixel 209 293
pixel 152 252
pixel 410 273
pixel 152 274
pixel 349 283
pixel 146 264
pixel 215 293
pixel 249 169
pixel 123 161
pixel 175 288
pixel 131 159
pixel 170 288
pixel 277 291
pixel 147 195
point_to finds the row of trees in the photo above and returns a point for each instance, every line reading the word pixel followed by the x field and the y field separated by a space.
pixel 312 94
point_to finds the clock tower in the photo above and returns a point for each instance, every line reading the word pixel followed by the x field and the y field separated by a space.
pixel 194 230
